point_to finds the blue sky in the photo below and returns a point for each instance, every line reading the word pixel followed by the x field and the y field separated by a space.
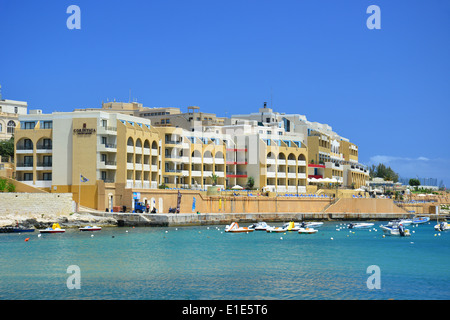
pixel 387 90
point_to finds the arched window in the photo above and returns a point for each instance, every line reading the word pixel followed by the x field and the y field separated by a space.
pixel 11 127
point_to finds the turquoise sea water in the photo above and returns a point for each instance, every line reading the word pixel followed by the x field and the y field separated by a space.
pixel 208 264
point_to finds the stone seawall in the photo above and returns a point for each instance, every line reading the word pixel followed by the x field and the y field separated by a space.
pixel 35 204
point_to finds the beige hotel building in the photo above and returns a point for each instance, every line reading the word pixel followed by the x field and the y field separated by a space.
pixel 124 148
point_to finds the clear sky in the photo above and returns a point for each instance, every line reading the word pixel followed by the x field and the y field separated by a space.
pixel 387 90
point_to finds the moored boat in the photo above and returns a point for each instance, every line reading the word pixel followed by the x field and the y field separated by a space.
pixel 360 225
pixel 418 220
pixel 55 228
pixel 90 228
pixel 276 229
pixel 442 226
pixel 395 229
pixel 260 226
pixel 15 230
pixel 313 224
pixel 234 227
pixel 307 230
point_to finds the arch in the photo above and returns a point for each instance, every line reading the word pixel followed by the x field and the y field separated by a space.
pixel 147 144
pixel 218 155
pixel 138 143
pixel 196 153
pixel 154 145
pixel 207 154
pixel 130 141
pixel 281 156
pixel 24 144
pixel 291 156
pixel 44 143
pixel 270 155
pixel 301 157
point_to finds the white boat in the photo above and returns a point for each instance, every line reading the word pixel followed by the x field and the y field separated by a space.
pixel 307 230
pixel 313 224
pixel 55 228
pixel 360 225
pixel 442 226
pixel 234 227
pixel 395 229
pixel 418 220
pixel 276 229
pixel 405 222
pixel 260 226
pixel 90 228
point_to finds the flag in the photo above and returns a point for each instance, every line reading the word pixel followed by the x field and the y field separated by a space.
pixel 83 179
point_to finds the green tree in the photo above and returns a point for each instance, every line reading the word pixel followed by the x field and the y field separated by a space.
pixel 414 182
pixel 7 148
pixel 250 182
pixel 214 179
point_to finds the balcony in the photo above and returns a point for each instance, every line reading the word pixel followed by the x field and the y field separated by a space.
pixel 301 163
pixel 291 162
pixel 237 174
pixel 44 166
pixel 24 149
pixel 196 160
pixel 27 166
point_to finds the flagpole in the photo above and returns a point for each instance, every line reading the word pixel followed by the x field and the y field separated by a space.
pixel 79 192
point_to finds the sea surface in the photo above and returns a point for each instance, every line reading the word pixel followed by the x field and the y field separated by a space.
pixel 205 263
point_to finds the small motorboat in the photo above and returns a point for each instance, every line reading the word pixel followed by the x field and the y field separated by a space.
pixel 234 227
pixel 395 229
pixel 260 226
pixel 55 228
pixel 90 228
pixel 15 230
pixel 313 224
pixel 418 220
pixel 405 222
pixel 442 226
pixel 360 225
pixel 276 229
pixel 307 230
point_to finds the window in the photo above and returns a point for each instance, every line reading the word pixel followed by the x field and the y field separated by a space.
pixel 47 161
pixel 47 144
pixel 1 127
pixel 104 123
pixel 28 161
pixel 47 176
pixel 103 157
pixel 28 144
pixel 27 177
pixel 47 125
pixel 11 127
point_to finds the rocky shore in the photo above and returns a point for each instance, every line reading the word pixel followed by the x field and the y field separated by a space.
pixel 74 220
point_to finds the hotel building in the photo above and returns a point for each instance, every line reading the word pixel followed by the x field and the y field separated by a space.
pixel 104 156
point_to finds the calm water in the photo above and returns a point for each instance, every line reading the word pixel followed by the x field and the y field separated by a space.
pixel 206 263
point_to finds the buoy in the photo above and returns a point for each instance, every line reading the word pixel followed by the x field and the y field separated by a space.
pixel 384 236
pixel 331 238
pixel 126 231
pixel 281 238
pixel 112 237
pixel 167 231
pixel 27 239
pixel 39 235
pixel 92 235
pixel 439 234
